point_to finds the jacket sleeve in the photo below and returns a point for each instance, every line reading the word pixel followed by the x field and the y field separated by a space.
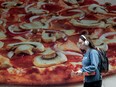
pixel 94 62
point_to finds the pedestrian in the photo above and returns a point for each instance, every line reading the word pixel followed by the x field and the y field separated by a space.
pixel 90 61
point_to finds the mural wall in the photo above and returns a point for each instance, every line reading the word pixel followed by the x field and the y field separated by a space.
pixel 39 39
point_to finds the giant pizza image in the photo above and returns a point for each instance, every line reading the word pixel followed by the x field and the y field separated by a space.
pixel 39 39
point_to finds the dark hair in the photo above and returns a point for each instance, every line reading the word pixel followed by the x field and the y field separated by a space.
pixel 86 37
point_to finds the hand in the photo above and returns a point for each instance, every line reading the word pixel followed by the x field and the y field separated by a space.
pixel 72 73
pixel 75 73
pixel 89 74
pixel 79 72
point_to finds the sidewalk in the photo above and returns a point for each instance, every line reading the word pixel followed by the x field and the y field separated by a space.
pixel 109 81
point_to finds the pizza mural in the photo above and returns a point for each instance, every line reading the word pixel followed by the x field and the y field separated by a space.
pixel 39 38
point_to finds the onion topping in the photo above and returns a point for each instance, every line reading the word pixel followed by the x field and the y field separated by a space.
pixel 78 13
pixel 71 53
pixel 33 17
pixel 107 34
pixel 28 6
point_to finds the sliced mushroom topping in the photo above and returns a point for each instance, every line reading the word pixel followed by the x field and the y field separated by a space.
pixel 35 25
pixel 37 45
pixel 62 35
pixel 108 4
pixel 71 1
pixel 106 40
pixel 49 53
pixel 31 19
pixel 35 8
pixel 41 62
pixel 111 21
pixel 13 28
pixel 107 34
pixel 48 37
pixel 89 23
pixel 52 35
pixel 20 38
pixel 27 8
pixel 80 1
pixel 9 4
pixel 69 32
pixel 10 54
pixel 74 1
pixel 97 9
pixel 36 11
pixel 103 41
pixel 25 47
pixel 99 43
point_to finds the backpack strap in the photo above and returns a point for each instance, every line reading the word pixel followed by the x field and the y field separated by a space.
pixel 89 53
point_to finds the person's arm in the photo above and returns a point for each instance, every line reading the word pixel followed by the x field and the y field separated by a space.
pixel 94 62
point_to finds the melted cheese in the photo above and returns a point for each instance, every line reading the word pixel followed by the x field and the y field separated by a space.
pixel 69 45
pixel 76 63
pixel 4 62
pixel 1 44
pixel 18 71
